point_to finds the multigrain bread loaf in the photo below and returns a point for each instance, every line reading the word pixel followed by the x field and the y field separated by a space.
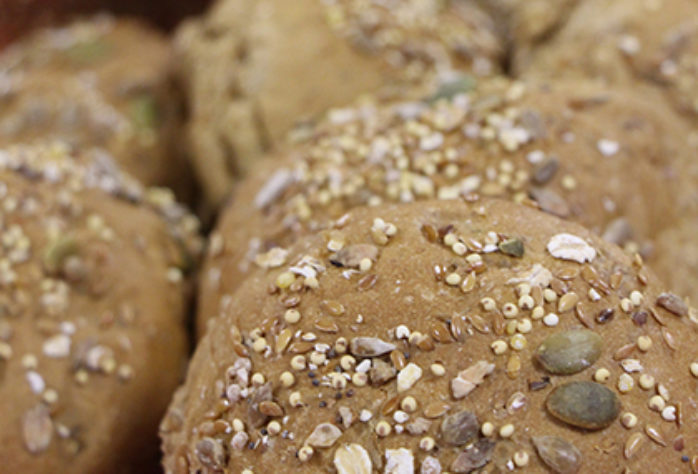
pixel 254 68
pixel 610 160
pixel 625 42
pixel 92 306
pixel 102 83
pixel 443 336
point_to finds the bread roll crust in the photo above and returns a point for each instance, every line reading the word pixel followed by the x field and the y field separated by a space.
pixel 437 387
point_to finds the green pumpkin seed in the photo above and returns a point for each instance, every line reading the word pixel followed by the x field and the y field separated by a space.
pixel 586 405
pixel 569 352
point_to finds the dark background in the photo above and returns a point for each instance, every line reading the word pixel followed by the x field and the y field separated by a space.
pixel 20 16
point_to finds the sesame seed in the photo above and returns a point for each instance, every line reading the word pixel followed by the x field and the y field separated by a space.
pixel 537 313
pixel 636 298
pixel 626 305
pixel 453 279
pixel 238 425
pixel 285 279
pixel 439 370
pixel 549 295
pixel 459 248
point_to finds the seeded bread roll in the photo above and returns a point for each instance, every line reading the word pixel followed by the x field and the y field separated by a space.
pixel 602 157
pixel 101 83
pixel 254 68
pixel 540 346
pixel 527 23
pixel 92 306
pixel 625 42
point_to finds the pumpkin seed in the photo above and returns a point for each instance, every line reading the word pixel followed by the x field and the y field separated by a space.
pixel 459 428
pixel 550 202
pixel 513 247
pixel 559 455
pixel 586 405
pixel 569 352
pixel 544 171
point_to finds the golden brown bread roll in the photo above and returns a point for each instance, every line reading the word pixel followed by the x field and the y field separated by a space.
pixel 443 337
pixel 254 68
pixel 102 83
pixel 92 312
pixel 610 160
pixel 527 23
pixel 624 41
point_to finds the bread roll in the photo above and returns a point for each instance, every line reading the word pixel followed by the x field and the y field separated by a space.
pixel 102 83
pixel 254 68
pixel 610 160
pixel 625 42
pixel 539 347
pixel 92 313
